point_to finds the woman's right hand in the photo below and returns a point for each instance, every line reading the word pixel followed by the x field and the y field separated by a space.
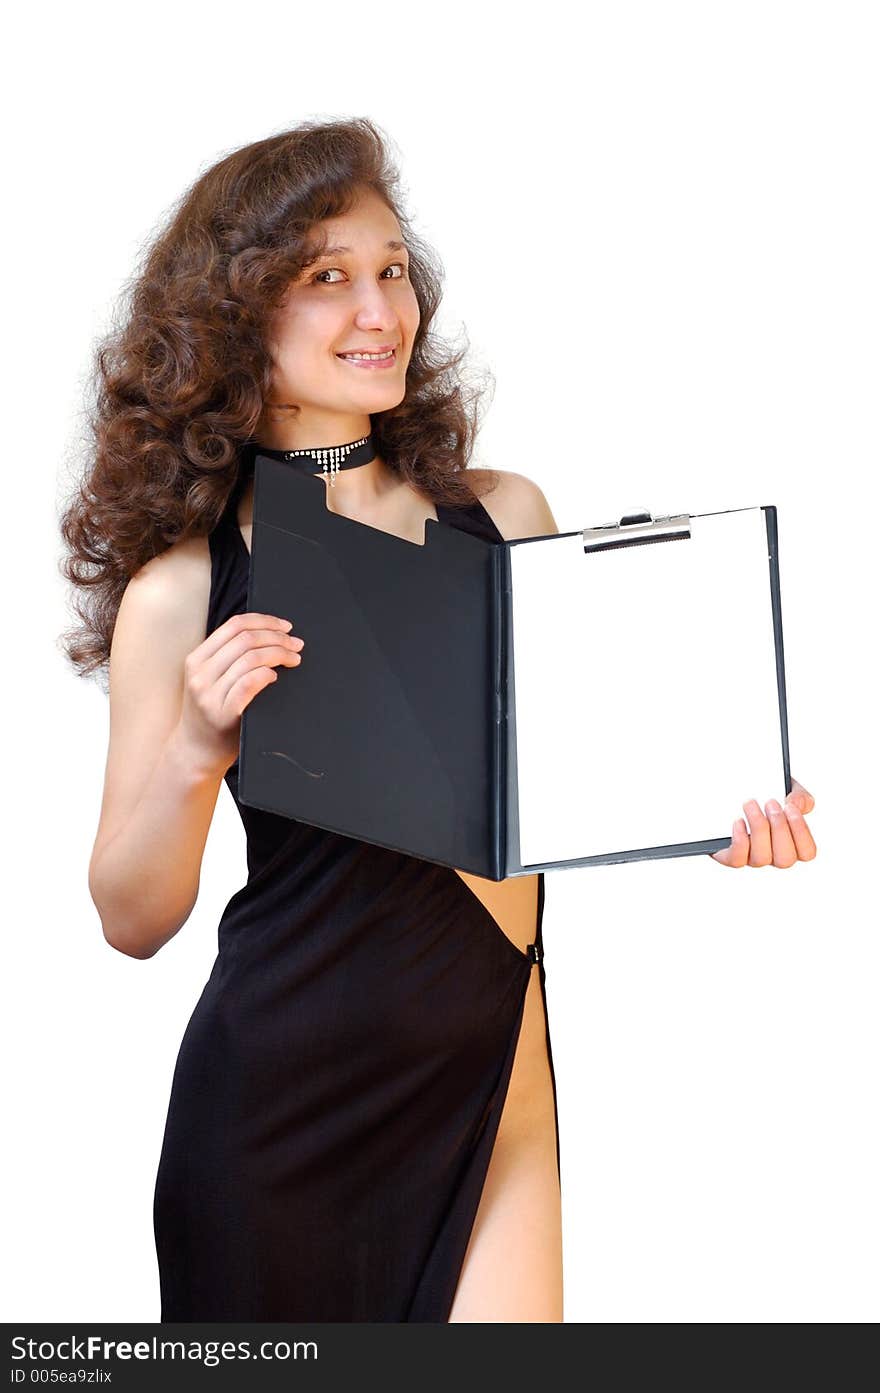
pixel 223 675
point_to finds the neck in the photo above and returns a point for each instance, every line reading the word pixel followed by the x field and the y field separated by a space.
pixel 311 428
pixel 358 487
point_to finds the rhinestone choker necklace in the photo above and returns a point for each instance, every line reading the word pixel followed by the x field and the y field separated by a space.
pixel 328 458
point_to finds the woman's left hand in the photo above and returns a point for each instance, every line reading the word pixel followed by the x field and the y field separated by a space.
pixel 777 837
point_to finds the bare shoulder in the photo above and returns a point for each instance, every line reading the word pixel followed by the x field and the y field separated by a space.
pixel 173 582
pixel 166 601
pixel 514 502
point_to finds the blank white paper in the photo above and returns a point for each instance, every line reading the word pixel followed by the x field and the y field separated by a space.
pixel 645 688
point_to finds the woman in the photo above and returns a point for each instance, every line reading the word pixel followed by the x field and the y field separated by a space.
pixel 362 1123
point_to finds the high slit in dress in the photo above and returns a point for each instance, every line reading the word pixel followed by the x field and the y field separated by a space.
pixel 340 1082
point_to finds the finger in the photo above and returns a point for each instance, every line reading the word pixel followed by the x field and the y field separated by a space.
pixel 784 849
pixel 236 623
pixel 737 854
pixel 801 834
pixel 242 692
pixel 265 656
pixel 761 852
pixel 805 800
pixel 269 643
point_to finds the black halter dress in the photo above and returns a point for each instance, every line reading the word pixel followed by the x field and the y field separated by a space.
pixel 341 1079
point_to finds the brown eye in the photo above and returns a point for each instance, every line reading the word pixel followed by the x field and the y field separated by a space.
pixel 329 269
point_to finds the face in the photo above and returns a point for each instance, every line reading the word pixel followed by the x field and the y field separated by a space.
pixel 348 301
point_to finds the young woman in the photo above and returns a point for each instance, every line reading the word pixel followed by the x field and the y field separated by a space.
pixel 362 1123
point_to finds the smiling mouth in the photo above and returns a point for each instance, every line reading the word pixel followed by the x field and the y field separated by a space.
pixel 387 357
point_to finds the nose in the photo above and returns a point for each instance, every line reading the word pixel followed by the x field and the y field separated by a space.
pixel 374 311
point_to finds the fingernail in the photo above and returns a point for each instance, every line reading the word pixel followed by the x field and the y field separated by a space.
pixel 773 806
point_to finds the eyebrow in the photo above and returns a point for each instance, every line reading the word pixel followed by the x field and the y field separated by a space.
pixel 391 245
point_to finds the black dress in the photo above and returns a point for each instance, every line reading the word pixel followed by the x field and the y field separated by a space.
pixel 340 1082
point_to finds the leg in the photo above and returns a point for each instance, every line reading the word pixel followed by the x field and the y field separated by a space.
pixel 512 1269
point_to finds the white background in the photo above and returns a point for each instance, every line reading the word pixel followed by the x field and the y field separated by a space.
pixel 659 225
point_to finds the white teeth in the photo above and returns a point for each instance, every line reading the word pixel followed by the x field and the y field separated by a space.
pixel 368 357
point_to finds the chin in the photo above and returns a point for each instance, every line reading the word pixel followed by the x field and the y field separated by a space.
pixel 383 400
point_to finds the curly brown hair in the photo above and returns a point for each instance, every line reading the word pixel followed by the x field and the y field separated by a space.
pixel 180 384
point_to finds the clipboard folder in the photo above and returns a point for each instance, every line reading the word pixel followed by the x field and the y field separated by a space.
pixel 604 695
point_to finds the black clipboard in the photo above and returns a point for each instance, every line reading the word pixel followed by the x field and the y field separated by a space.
pixel 399 727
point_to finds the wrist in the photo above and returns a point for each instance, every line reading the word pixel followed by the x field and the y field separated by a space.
pixel 196 766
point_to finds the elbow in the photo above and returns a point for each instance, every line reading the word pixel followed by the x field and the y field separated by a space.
pixel 133 940
pixel 135 934
pixel 140 940
pixel 129 949
pixel 123 939
pixel 131 945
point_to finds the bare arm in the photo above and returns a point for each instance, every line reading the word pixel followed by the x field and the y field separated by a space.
pixel 145 879
pixel 175 705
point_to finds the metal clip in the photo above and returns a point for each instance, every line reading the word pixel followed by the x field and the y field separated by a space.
pixel 637 529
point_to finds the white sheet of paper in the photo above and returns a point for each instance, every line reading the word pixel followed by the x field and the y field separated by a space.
pixel 645 688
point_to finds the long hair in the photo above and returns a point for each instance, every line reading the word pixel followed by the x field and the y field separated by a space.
pixel 179 383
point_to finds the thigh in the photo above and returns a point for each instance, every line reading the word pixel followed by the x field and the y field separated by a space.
pixel 512 1270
